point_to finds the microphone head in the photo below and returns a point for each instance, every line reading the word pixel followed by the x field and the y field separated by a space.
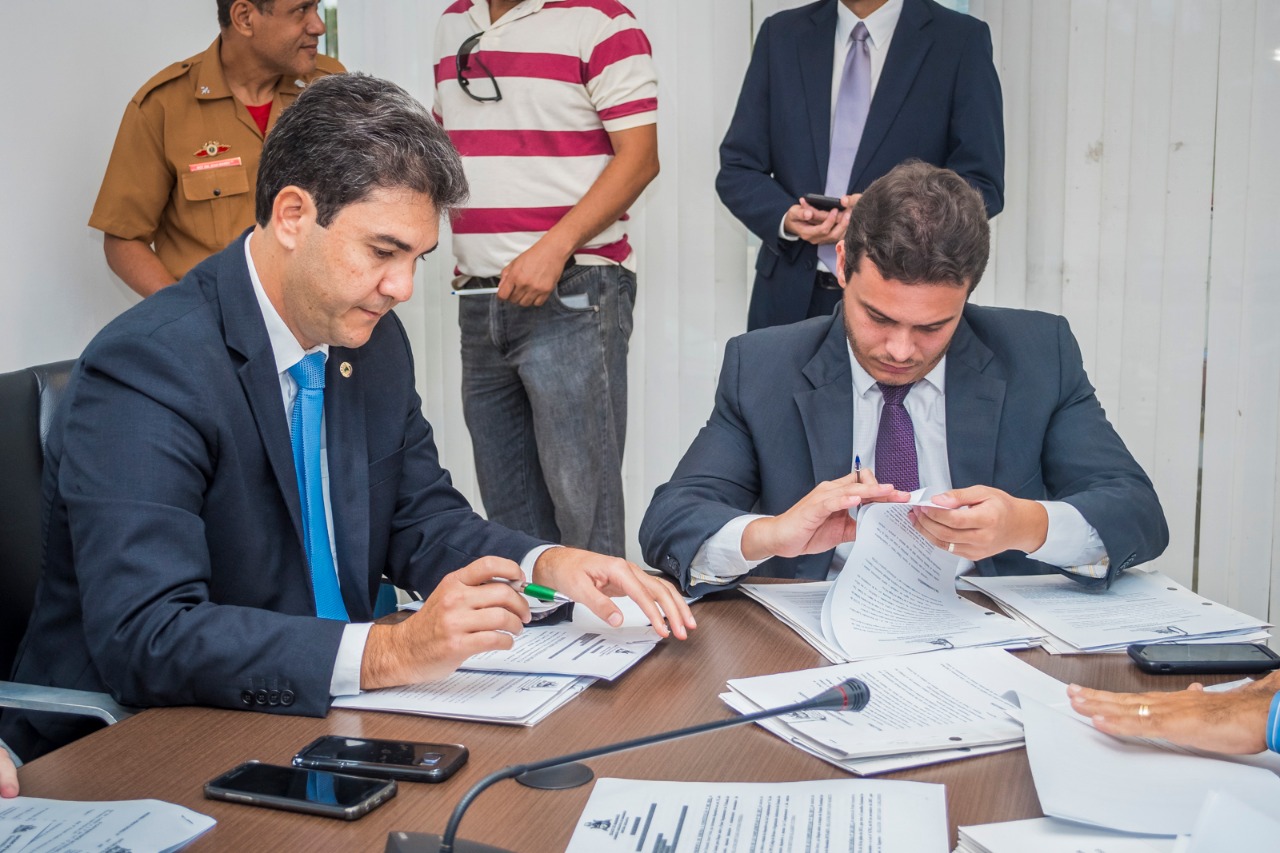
pixel 849 695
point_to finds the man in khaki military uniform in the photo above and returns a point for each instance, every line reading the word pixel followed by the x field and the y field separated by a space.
pixel 179 185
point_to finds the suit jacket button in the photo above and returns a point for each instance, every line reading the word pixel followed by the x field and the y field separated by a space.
pixel 246 696
pixel 273 698
pixel 261 696
pixel 286 697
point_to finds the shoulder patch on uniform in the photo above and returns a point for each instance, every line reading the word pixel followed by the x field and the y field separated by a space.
pixel 172 72
pixel 327 65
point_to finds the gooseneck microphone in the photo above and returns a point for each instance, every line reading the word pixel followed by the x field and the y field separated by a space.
pixel 849 695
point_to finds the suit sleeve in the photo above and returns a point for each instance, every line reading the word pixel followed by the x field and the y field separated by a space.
pixel 717 480
pixel 745 182
pixel 976 132
pixel 1086 464
pixel 141 556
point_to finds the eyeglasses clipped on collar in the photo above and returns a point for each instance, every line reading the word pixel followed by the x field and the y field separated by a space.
pixel 464 60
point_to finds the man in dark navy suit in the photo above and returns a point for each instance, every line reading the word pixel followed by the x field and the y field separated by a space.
pixel 241 457
pixel 838 93
pixel 988 409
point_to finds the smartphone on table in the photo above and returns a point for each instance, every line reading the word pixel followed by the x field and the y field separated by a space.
pixel 294 789
pixel 823 202
pixel 1203 658
pixel 405 760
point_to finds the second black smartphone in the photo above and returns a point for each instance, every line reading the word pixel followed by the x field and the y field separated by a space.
pixel 1192 658
pixel 309 791
pixel 823 202
pixel 405 760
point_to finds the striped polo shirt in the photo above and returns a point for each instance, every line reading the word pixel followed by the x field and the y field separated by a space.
pixel 569 71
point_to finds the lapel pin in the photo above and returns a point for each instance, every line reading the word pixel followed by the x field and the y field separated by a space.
pixel 345 369
pixel 204 90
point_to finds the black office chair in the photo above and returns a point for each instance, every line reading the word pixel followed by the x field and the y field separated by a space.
pixel 28 399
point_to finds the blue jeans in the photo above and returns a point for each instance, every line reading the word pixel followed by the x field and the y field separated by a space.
pixel 544 393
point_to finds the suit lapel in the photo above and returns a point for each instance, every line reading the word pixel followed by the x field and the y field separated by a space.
pixel 826 410
pixel 246 334
pixel 974 403
pixel 347 445
pixel 910 45
pixel 815 53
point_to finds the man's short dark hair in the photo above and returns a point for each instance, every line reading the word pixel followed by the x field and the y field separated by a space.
pixel 349 134
pixel 920 224
pixel 224 9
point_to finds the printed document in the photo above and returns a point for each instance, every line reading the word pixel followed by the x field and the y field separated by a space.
pixel 1140 607
pixel 895 595
pixel 486 697
pixel 33 825
pixel 1047 835
pixel 570 649
pixel 841 816
pixel 919 703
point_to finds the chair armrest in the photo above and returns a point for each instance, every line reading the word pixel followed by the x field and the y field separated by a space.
pixel 63 700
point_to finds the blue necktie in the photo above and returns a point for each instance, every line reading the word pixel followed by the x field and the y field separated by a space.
pixel 304 434
pixel 853 101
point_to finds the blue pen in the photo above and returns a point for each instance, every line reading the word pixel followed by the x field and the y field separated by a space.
pixel 857 467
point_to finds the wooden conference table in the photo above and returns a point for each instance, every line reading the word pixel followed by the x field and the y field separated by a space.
pixel 169 753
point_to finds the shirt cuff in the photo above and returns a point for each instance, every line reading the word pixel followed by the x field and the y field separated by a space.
pixel 782 231
pixel 13 756
pixel 720 559
pixel 1071 542
pixel 346 667
pixel 526 565
pixel 1273 724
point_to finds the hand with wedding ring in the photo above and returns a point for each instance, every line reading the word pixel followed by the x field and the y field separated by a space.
pixel 1229 721
pixel 981 521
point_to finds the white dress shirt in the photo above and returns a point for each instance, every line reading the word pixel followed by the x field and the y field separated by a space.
pixel 288 352
pixel 1070 541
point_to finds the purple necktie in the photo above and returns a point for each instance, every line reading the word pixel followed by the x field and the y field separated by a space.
pixel 896 441
pixel 846 125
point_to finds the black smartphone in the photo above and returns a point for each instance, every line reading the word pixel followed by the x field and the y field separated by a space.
pixel 1190 658
pixel 406 760
pixel 823 202
pixel 294 789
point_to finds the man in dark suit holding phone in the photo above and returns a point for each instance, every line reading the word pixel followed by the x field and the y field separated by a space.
pixel 837 93
pixel 241 457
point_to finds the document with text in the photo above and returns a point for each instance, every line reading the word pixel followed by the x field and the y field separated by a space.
pixel 1049 835
pixel 486 697
pixel 919 703
pixel 833 816
pixel 1140 607
pixel 34 825
pixel 895 595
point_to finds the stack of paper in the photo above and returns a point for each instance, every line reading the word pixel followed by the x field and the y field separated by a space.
pixel 895 595
pixel 924 709
pixel 1140 607
pixel 32 825
pixel 840 816
pixel 486 697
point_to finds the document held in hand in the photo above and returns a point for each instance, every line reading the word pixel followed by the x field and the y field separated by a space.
pixel 895 595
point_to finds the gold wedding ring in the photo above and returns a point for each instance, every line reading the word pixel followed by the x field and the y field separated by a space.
pixel 1144 711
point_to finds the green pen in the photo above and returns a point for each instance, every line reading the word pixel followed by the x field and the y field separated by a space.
pixel 533 590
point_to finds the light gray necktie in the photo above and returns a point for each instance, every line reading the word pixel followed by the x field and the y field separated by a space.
pixel 850 117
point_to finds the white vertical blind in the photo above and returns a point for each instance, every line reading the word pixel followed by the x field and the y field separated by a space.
pixel 1141 191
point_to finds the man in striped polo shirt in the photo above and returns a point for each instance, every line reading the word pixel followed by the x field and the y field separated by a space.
pixel 553 106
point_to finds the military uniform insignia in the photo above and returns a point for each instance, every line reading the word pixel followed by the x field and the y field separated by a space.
pixel 345 369
pixel 204 90
pixel 211 149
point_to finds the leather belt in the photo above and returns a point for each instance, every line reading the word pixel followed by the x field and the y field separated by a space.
pixel 825 281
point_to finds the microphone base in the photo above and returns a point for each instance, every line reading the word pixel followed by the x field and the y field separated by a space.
pixel 557 778
pixel 422 842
